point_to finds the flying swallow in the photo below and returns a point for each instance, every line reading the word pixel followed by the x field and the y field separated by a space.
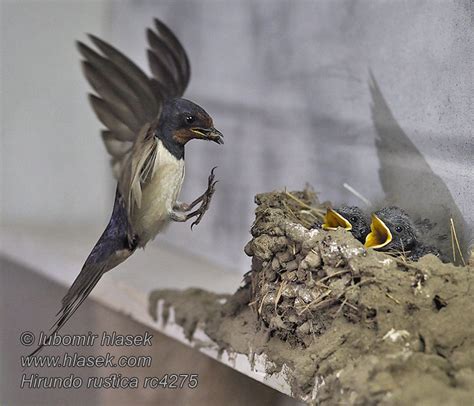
pixel 148 125
pixel 393 230
pixel 350 218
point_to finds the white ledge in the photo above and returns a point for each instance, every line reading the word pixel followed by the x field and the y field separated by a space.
pixel 58 254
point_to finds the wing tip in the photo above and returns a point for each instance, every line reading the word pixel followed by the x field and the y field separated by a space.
pixel 158 23
pixel 149 33
pixel 101 44
pixel 93 98
pixel 82 48
pixel 94 38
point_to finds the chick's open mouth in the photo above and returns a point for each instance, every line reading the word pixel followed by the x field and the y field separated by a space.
pixel 379 235
pixel 333 220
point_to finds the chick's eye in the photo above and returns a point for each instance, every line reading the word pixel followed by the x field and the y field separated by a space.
pixel 190 119
pixel 398 229
pixel 353 219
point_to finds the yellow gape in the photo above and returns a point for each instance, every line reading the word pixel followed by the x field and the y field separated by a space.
pixel 379 235
pixel 333 220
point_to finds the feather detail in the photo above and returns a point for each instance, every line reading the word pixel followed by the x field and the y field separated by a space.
pixel 127 100
pixel 139 169
pixel 115 147
pixel 136 76
pixel 148 170
pixel 123 103
pixel 99 68
pixel 108 117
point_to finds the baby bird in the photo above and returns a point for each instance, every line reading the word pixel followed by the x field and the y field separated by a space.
pixel 350 218
pixel 393 230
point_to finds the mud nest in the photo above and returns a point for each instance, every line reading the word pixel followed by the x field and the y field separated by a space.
pixel 349 325
pixel 302 276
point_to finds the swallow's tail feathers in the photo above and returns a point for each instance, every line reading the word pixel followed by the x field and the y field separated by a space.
pixel 113 248
pixel 79 291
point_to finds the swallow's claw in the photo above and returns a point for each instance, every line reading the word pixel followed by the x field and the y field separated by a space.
pixel 211 177
pixel 206 198
pixel 194 223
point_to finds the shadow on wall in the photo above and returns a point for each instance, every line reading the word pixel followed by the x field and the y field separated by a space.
pixel 409 182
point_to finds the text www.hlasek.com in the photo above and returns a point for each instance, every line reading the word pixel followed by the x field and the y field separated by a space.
pixel 76 360
pixel 67 360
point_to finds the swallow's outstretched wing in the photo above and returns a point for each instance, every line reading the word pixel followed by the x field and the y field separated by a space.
pixel 126 98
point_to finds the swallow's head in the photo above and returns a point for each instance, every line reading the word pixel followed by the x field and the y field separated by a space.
pixel 351 218
pixel 185 120
pixel 391 230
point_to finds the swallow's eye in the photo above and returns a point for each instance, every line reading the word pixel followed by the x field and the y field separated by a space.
pixel 398 229
pixel 190 119
pixel 353 219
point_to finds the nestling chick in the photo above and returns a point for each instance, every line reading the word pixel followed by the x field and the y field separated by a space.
pixel 351 218
pixel 393 230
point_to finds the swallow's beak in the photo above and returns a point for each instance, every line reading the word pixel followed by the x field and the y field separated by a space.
pixel 209 134
pixel 379 235
pixel 333 220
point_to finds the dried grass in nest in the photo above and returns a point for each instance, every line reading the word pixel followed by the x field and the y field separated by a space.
pixel 297 285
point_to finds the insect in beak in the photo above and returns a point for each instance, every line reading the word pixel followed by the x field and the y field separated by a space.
pixel 210 134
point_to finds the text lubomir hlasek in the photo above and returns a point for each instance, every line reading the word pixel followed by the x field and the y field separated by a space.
pixel 88 340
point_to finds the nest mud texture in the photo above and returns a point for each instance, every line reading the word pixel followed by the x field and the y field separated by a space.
pixel 352 326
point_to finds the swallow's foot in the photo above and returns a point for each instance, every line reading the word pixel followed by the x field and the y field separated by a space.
pixel 204 199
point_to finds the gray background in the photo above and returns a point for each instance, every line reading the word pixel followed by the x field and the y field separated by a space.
pixel 287 82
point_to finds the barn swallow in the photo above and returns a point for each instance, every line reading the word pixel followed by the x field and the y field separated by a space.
pixel 350 218
pixel 393 230
pixel 148 125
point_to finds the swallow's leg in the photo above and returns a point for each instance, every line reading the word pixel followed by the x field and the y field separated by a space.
pixel 206 196
pixel 181 206
pixel 182 217
pixel 204 199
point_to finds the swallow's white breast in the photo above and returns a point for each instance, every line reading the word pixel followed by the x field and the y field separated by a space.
pixel 159 195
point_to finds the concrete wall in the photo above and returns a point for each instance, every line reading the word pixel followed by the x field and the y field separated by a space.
pixel 287 82
pixel 52 166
